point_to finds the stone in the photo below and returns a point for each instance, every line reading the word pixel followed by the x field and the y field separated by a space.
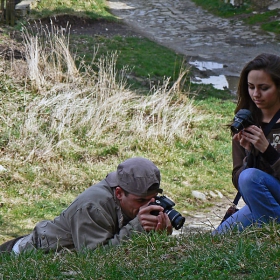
pixel 2 168
pixel 212 194
pixel 219 194
pixel 199 195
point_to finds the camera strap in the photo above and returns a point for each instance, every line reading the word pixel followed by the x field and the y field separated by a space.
pixel 266 131
pixel 273 121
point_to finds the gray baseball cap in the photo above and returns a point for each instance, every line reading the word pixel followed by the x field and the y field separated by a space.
pixel 138 176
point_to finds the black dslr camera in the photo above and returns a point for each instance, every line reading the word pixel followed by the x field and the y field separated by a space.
pixel 177 221
pixel 242 119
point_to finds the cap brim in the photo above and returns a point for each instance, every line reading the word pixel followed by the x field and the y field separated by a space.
pixel 154 191
pixel 112 180
pixel 144 194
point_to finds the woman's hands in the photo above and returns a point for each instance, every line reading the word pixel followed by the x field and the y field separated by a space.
pixel 252 135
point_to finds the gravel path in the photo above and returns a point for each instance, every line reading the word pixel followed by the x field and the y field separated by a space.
pixel 197 34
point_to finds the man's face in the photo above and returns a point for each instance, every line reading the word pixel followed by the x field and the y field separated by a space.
pixel 131 203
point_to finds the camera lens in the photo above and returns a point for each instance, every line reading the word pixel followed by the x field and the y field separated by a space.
pixel 177 220
pixel 236 126
pixel 242 119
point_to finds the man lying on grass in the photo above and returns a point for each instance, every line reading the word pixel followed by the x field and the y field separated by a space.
pixel 104 214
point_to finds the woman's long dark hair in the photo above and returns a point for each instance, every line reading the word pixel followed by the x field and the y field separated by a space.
pixel 269 63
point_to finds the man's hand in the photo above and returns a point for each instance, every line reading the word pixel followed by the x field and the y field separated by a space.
pixel 151 222
pixel 164 223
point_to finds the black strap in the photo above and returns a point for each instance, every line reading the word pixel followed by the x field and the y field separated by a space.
pixel 266 131
pixel 237 198
pixel 272 122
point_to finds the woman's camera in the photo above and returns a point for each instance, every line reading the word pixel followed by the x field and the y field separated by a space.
pixel 242 119
pixel 177 221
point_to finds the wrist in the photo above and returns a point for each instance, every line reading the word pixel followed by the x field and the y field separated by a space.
pixel 270 155
pixel 264 148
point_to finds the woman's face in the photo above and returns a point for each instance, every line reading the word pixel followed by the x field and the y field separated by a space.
pixel 263 91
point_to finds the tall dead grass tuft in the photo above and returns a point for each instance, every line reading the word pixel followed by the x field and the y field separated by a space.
pixel 48 57
pixel 98 106
pixel 163 115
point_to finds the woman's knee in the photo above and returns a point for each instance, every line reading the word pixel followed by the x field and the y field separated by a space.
pixel 247 178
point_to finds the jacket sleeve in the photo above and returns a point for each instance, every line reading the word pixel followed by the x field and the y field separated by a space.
pixel 270 161
pixel 276 168
pixel 272 157
pixel 239 160
pixel 92 226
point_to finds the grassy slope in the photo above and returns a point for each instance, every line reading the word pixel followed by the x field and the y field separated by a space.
pixel 33 185
pixel 252 12
pixel 36 186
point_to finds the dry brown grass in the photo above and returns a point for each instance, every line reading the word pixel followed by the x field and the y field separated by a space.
pixel 70 104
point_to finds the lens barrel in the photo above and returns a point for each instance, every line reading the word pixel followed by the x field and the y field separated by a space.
pixel 177 220
pixel 242 120
pixel 237 125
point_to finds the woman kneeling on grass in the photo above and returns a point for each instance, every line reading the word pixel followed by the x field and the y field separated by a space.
pixel 256 158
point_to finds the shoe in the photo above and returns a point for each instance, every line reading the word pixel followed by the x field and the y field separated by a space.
pixel 8 246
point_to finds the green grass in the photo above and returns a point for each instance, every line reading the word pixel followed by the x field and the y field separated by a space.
pixel 194 256
pixel 220 8
pixel 93 9
pixel 42 168
pixel 269 21
pixel 263 17
pixel 251 12
pixel 48 165
pixel 69 170
pixel 76 163
pixel 275 26
pixel 147 63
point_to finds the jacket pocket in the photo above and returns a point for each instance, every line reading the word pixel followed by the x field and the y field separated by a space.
pixel 42 238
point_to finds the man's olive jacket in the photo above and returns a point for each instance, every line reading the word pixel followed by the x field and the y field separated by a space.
pixel 94 218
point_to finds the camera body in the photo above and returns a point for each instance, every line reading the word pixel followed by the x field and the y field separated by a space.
pixel 177 221
pixel 242 120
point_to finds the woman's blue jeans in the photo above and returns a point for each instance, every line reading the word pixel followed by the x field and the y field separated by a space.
pixel 261 193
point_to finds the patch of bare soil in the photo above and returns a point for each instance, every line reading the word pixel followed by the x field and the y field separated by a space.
pixel 90 27
pixel 10 46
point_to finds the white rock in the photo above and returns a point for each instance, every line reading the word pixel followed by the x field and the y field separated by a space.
pixel 2 168
pixel 274 6
pixel 219 194
pixel 211 193
pixel 199 195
